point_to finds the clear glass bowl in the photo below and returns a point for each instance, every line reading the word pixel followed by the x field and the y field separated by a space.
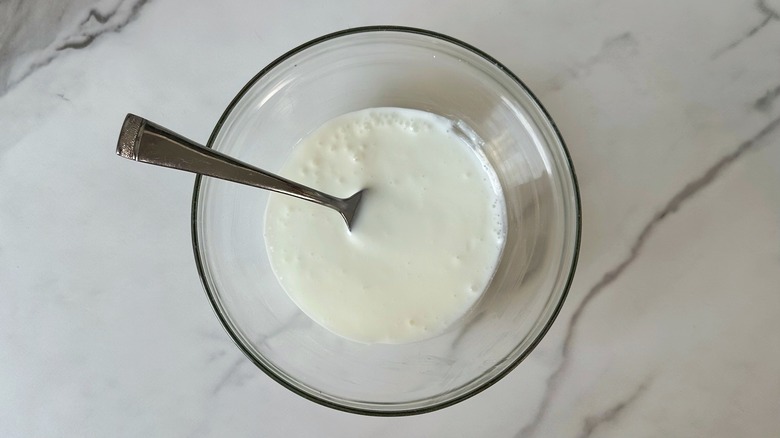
pixel 390 67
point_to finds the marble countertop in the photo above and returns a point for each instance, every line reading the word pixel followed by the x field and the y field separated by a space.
pixel 671 111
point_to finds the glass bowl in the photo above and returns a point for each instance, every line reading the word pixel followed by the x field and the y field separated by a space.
pixel 390 67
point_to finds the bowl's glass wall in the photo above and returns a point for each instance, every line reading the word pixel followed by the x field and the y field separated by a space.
pixel 401 69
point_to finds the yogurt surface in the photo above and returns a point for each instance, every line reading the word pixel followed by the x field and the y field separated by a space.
pixel 425 243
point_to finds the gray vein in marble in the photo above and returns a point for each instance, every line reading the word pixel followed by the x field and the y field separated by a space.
pixel 614 48
pixel 764 103
pixel 464 329
pixel 230 375
pixel 768 15
pixel 90 31
pixel 91 27
pixel 18 38
pixel 672 206
pixel 593 422
pixel 216 355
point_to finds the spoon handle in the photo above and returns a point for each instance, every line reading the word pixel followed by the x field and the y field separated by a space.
pixel 147 142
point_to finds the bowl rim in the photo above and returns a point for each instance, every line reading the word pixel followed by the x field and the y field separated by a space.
pixel 442 403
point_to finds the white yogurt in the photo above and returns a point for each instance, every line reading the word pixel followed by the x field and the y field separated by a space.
pixel 426 240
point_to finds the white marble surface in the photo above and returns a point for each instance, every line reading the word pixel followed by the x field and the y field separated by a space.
pixel 672 114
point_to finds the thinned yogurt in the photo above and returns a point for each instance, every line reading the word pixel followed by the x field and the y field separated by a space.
pixel 425 242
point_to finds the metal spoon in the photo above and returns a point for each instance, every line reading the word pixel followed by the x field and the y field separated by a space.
pixel 147 142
